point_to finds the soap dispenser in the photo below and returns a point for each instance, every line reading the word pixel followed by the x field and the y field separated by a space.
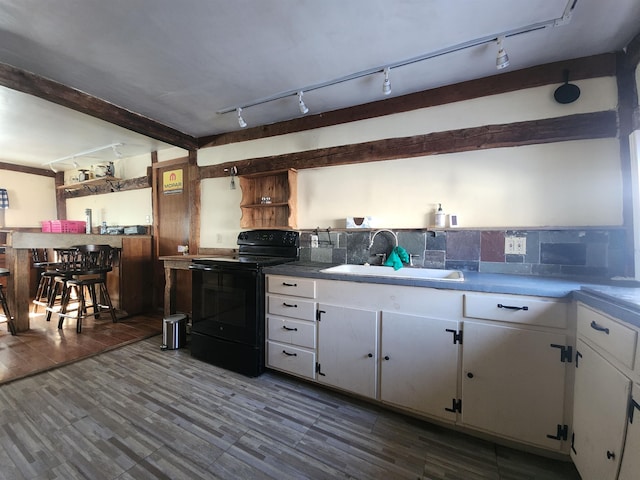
pixel 440 217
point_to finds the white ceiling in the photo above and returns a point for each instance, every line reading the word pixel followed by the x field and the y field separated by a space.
pixel 179 62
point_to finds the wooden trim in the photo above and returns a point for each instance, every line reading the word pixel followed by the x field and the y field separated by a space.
pixel 551 73
pixel 156 221
pixel 27 82
pixel 30 170
pixel 627 101
pixel 571 127
pixel 194 202
pixel 169 163
pixel 61 203
pixel 633 51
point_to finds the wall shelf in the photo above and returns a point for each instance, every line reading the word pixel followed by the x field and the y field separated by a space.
pixel 113 182
pixel 281 187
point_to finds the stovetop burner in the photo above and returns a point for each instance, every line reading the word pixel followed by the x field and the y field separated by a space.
pixel 258 248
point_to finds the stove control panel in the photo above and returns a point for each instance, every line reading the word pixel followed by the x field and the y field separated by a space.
pixel 276 238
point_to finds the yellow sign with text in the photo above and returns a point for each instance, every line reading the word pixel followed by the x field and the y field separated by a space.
pixel 172 181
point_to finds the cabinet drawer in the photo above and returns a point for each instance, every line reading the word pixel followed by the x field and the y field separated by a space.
pixel 294 332
pixel 291 307
pixel 516 309
pixel 604 332
pixel 299 287
pixel 291 359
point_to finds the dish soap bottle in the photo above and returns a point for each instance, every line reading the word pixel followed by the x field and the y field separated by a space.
pixel 440 217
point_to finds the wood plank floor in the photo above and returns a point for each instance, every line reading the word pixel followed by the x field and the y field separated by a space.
pixel 45 346
pixel 137 412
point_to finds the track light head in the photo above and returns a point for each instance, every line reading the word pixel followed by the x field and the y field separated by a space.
pixel 303 108
pixel 386 85
pixel 502 60
pixel 241 121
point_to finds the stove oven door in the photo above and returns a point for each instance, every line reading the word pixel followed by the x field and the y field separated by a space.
pixel 228 303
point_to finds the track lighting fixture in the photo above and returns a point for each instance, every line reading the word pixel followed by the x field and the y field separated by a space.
pixel 241 121
pixel 303 108
pixel 72 159
pixel 386 85
pixel 502 60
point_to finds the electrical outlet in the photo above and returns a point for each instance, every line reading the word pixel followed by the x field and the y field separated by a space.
pixel 314 241
pixel 515 245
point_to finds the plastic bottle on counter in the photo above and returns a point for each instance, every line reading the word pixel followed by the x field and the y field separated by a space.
pixel 440 217
pixel 87 213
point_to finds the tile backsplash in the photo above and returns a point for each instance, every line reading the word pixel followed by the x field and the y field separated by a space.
pixel 598 253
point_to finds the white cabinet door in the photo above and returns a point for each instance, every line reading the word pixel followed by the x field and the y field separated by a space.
pixel 630 467
pixel 601 396
pixel 419 366
pixel 513 382
pixel 347 349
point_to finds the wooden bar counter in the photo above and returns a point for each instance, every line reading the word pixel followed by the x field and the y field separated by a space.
pixel 129 284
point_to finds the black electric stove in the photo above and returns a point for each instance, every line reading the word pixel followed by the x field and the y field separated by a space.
pixel 228 300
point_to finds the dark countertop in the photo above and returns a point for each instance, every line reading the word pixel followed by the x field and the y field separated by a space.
pixel 620 299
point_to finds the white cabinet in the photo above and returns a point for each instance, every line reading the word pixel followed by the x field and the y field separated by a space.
pixel 630 466
pixel 605 440
pixel 419 364
pixel 601 394
pixel 291 325
pixel 487 363
pixel 515 358
pixel 347 349
pixel 513 383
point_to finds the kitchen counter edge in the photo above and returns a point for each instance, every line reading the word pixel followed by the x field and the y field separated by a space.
pixel 620 299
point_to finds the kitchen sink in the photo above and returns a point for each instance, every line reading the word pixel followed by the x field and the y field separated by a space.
pixel 389 272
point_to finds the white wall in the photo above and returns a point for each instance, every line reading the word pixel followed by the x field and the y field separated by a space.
pixel 132 207
pixel 32 198
pixel 561 184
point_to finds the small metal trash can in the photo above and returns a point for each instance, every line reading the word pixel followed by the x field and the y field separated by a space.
pixel 174 331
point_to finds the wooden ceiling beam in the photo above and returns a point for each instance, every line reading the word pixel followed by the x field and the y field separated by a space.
pixel 560 129
pixel 23 169
pixel 27 82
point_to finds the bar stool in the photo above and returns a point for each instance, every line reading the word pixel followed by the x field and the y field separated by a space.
pixel 5 306
pixel 47 271
pixel 94 262
pixel 66 266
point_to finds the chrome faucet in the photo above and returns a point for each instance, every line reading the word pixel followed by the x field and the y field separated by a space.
pixel 395 237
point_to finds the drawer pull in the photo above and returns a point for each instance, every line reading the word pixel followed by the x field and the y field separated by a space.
pixel 289 305
pixel 289 354
pixel 290 329
pixel 509 307
pixel 289 284
pixel 611 455
pixel 599 328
